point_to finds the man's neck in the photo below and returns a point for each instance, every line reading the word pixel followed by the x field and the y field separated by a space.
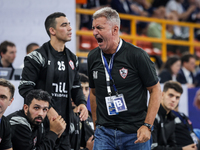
pixel 4 63
pixel 167 111
pixel 58 46
pixel 114 47
pixel 1 116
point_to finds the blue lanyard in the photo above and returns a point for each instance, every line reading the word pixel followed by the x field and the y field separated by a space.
pixel 109 68
pixel 184 121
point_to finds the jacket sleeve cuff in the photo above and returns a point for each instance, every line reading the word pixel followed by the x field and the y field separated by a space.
pixel 52 135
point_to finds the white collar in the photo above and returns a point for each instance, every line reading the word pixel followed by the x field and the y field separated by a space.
pixel 186 72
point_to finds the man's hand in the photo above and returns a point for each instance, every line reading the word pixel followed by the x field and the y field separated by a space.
pixel 143 135
pixel 190 147
pixel 83 112
pixel 57 125
pixel 52 114
pixel 90 143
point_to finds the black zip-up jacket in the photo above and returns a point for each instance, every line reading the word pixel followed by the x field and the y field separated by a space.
pixel 38 73
pixel 26 137
pixel 164 131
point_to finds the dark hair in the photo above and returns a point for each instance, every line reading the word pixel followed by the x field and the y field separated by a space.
pixel 29 47
pixel 186 57
pixel 83 77
pixel 170 61
pixel 6 83
pixel 38 94
pixel 51 21
pixel 3 46
pixel 173 85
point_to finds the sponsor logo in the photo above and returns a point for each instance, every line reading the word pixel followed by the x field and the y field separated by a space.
pixel 59 90
pixel 95 74
pixel 123 72
pixel 71 64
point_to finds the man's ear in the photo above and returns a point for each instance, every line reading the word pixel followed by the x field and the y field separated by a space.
pixel 52 31
pixel 11 101
pixel 115 30
pixel 1 54
pixel 25 107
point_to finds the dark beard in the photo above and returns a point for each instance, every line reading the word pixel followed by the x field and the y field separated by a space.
pixel 32 121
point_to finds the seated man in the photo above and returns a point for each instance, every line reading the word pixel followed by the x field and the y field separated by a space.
pixel 164 124
pixel 184 131
pixel 6 97
pixel 27 128
pixel 85 87
pixel 81 132
pixel 8 53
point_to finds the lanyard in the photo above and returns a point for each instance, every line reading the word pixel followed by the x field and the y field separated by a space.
pixel 184 121
pixel 108 69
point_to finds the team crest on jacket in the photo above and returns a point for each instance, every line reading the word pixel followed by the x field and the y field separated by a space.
pixel 71 64
pixel 123 72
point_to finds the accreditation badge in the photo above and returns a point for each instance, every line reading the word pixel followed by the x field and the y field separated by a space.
pixel 119 102
pixel 110 106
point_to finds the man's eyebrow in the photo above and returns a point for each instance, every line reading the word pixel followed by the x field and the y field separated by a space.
pixel 36 105
pixel 3 95
pixel 65 23
pixel 96 26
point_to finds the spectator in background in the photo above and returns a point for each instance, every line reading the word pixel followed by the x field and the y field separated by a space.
pixel 183 15
pixel 195 15
pixel 31 47
pixel 185 74
pixel 140 7
pixel 170 69
pixel 158 3
pixel 123 6
pixel 154 29
pixel 164 124
pixel 8 53
pixel 86 20
pixel 7 91
pixel 177 7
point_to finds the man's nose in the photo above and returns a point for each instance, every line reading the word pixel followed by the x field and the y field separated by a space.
pixel 173 98
pixel 41 112
pixel 95 32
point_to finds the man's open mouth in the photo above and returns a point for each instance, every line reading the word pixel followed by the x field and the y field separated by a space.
pixel 99 40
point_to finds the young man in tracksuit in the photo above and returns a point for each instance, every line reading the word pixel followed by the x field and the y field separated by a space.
pixel 164 124
pixel 54 68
